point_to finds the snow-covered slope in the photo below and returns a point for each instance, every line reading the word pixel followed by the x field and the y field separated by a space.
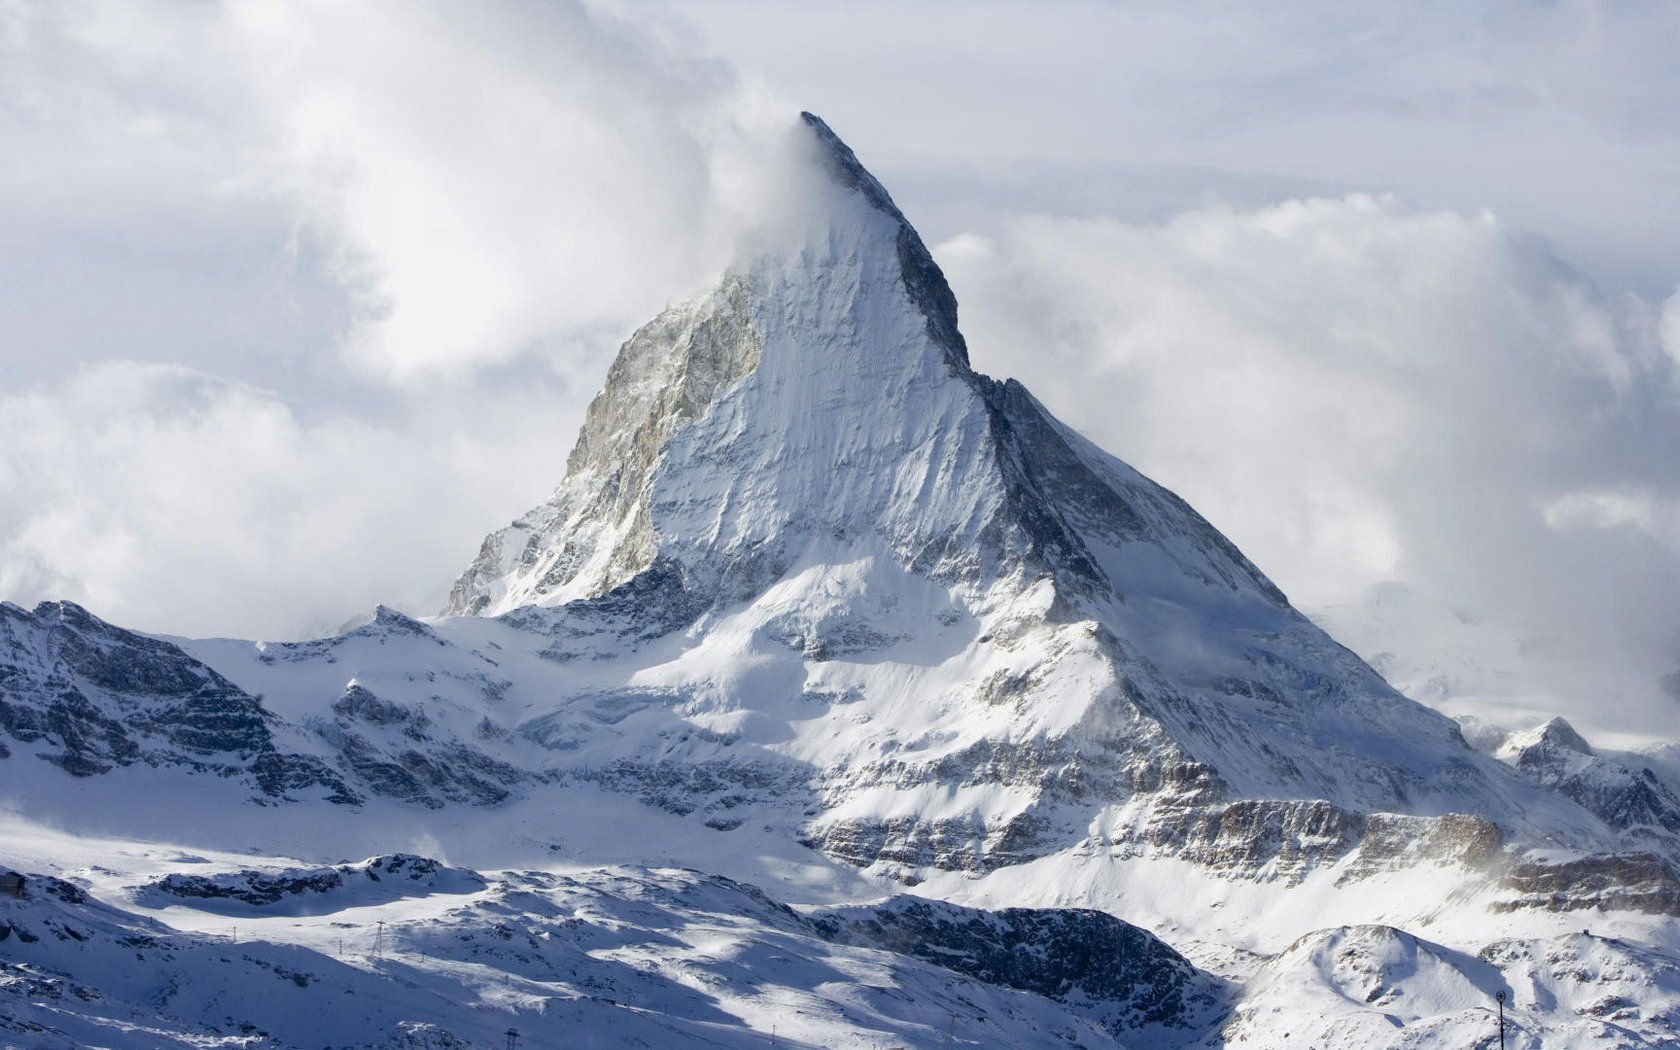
pixel 1375 986
pixel 620 957
pixel 819 608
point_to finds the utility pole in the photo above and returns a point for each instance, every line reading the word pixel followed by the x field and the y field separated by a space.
pixel 1500 996
pixel 379 941
pixel 512 1038
pixel 950 1032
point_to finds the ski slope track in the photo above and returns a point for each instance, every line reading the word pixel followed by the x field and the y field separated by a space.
pixel 839 695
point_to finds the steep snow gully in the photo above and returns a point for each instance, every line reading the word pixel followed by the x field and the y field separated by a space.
pixel 839 695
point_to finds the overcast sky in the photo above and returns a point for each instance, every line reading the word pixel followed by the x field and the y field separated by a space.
pixel 298 301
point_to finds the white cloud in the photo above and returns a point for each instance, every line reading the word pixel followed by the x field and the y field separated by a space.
pixel 486 179
pixel 1587 509
pixel 1669 326
pixel 1360 391
pixel 1559 115
pixel 166 499
pixel 506 173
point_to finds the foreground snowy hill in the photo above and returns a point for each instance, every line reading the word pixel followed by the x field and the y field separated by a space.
pixel 817 609
pixel 387 953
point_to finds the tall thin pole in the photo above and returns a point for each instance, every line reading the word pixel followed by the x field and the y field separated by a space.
pixel 1501 998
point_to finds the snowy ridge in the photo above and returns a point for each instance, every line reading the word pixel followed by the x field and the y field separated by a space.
pixel 635 956
pixel 1633 799
pixel 622 956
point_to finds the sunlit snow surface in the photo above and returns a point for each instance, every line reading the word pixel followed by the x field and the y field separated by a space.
pixel 604 957
pixel 819 617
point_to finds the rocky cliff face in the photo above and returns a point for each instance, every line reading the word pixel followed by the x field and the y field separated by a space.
pixel 1632 800
pixel 89 697
pixel 594 533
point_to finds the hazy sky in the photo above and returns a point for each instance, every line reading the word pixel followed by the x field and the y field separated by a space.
pixel 299 300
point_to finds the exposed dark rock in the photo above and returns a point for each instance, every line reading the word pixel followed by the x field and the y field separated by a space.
pixel 1625 798
pixel 1247 835
pixel 683 787
pixel 68 892
pixel 80 738
pixel 90 697
pixel 1390 842
pixel 909 842
pixel 1124 976
pixel 1640 882
pixel 361 704
pixel 397 874
pixel 252 887
pixel 278 774
pixel 451 772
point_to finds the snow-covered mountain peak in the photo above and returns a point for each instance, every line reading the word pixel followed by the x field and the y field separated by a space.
pixel 816 606
pixel 860 327
pixel 923 280
pixel 776 472
pixel 823 389
pixel 1555 735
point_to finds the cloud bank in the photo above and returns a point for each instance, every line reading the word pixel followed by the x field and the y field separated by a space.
pixel 1361 392
pixel 504 173
pixel 164 498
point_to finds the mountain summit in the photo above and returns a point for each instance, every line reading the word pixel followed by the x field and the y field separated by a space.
pixel 804 461
pixel 828 388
